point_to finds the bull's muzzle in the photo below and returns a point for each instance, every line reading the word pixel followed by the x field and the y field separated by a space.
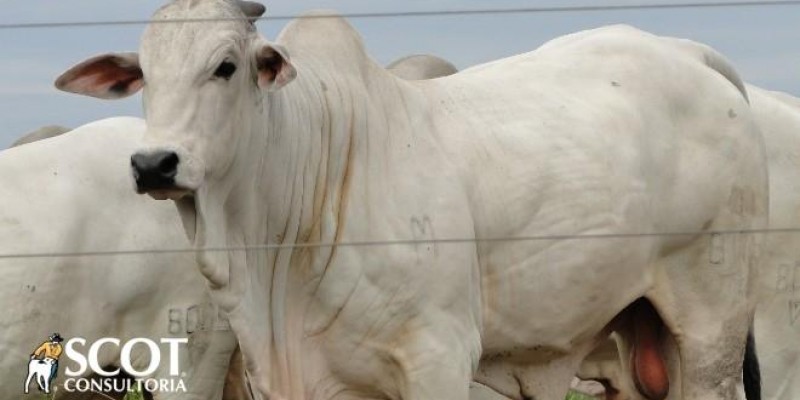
pixel 154 171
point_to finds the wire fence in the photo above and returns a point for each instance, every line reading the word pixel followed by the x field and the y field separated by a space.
pixel 401 242
pixel 431 13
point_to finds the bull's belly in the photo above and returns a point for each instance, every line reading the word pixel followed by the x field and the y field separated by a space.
pixel 540 304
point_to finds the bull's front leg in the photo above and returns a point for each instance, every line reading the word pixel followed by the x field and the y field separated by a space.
pixel 414 356
pixel 434 369
pixel 211 361
pixel 441 380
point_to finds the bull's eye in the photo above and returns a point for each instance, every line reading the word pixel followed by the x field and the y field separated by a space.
pixel 225 70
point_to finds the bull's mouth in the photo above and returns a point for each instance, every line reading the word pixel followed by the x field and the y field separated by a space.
pixel 175 193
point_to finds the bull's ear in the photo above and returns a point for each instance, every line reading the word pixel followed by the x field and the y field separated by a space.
pixel 107 76
pixel 273 67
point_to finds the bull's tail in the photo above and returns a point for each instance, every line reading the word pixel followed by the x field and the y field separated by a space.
pixel 751 372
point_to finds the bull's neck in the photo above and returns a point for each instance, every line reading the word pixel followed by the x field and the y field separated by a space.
pixel 307 158
pixel 294 192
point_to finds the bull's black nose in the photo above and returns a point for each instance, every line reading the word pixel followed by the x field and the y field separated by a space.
pixel 154 171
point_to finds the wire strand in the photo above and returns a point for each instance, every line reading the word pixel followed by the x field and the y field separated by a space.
pixel 432 13
pixel 373 243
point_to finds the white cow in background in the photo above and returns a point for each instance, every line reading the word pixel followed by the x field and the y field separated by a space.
pixel 602 133
pixel 421 66
pixel 70 194
pixel 777 323
pixel 42 133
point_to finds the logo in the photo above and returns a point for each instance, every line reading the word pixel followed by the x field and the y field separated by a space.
pixel 43 365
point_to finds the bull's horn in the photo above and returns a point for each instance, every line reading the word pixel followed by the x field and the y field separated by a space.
pixel 251 9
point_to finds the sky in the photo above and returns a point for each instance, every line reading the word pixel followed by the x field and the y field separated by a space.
pixel 762 42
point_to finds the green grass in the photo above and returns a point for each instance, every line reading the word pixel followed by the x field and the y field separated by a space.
pixel 573 395
pixel 134 395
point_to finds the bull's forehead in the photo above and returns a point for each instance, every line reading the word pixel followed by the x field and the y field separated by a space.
pixel 183 47
pixel 198 9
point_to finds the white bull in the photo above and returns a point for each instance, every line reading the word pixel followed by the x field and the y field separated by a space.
pixel 69 194
pixel 777 320
pixel 602 134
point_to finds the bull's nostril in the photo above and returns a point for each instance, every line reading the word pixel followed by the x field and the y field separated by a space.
pixel 168 166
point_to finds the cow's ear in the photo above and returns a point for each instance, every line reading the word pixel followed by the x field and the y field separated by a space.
pixel 273 67
pixel 107 76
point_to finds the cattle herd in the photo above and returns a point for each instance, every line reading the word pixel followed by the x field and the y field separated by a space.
pixel 614 205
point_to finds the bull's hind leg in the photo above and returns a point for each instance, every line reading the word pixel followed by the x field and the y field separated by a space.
pixel 705 302
pixel 707 366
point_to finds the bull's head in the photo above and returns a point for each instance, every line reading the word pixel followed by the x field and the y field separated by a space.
pixel 203 82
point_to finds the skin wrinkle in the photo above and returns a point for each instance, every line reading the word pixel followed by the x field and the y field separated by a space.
pixel 320 187
pixel 368 332
pixel 278 345
pixel 324 162
pixel 339 224
pixel 280 285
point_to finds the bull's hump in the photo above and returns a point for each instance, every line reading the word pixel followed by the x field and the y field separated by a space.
pixel 325 34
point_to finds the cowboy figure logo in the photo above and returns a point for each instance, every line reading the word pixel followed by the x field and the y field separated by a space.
pixel 43 364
